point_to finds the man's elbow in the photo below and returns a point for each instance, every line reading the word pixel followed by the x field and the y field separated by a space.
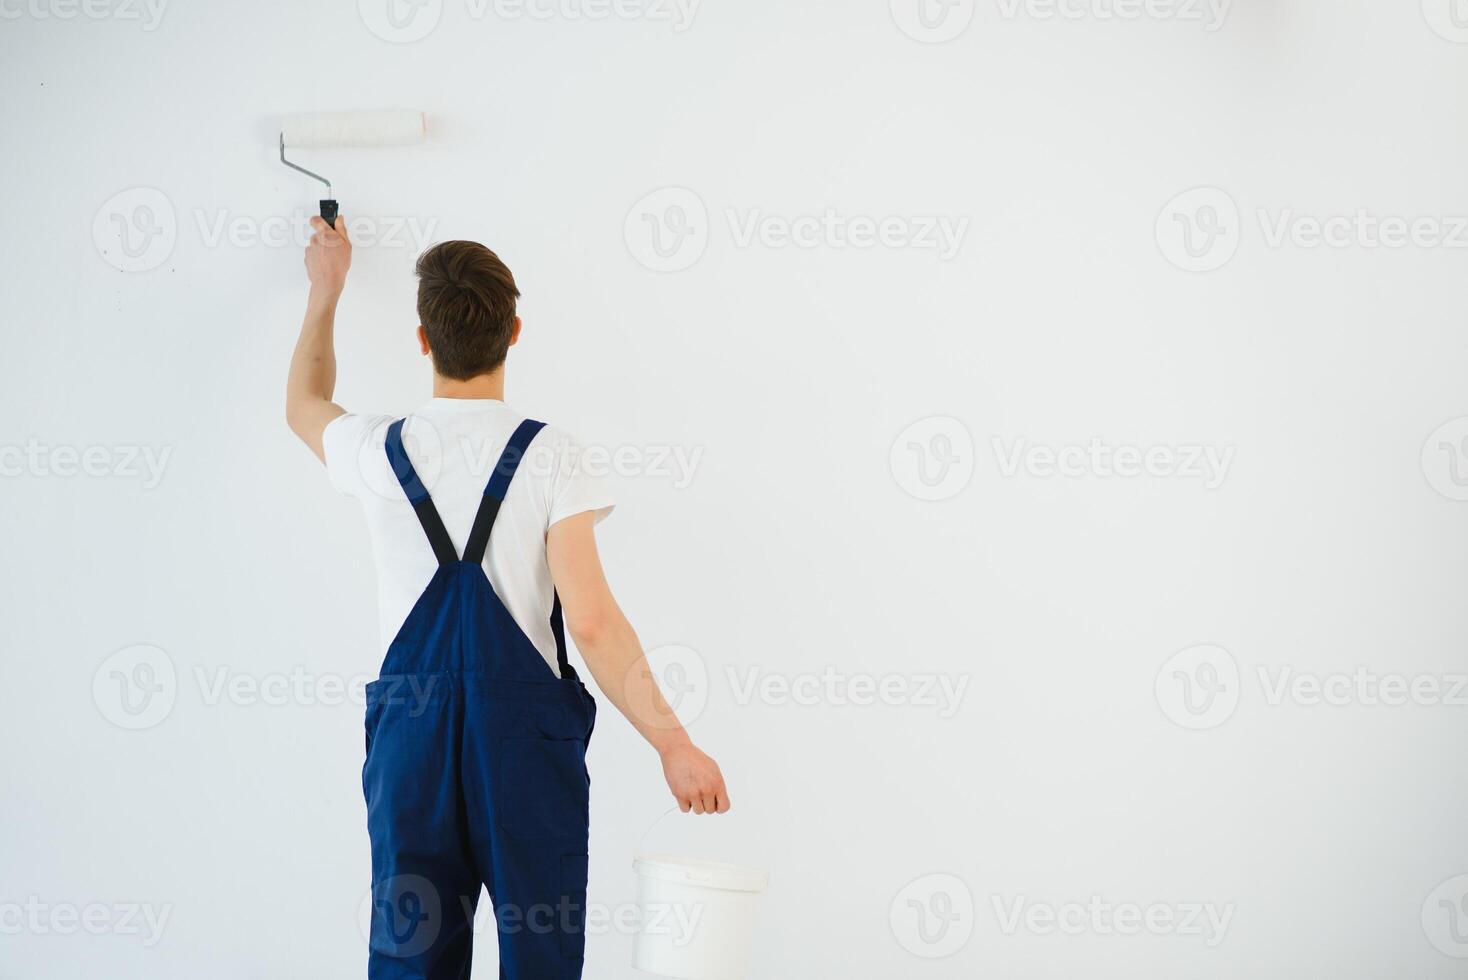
pixel 307 416
pixel 297 412
pixel 590 627
pixel 308 429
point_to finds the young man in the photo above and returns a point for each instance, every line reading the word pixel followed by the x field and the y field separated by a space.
pixel 482 527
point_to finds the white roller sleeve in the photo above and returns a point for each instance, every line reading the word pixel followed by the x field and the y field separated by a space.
pixel 382 127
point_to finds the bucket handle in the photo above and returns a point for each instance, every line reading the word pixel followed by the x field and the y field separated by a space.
pixel 642 841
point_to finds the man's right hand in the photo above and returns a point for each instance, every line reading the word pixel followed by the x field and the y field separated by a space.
pixel 695 780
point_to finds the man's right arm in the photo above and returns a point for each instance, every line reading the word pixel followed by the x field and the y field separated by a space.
pixel 611 649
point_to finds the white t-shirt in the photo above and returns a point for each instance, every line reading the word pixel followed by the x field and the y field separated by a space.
pixel 454 444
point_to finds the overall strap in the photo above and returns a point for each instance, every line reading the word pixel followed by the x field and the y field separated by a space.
pixel 402 467
pixel 494 491
pixel 558 629
pixel 489 508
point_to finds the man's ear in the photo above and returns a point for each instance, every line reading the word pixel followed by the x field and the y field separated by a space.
pixel 423 339
pixel 514 332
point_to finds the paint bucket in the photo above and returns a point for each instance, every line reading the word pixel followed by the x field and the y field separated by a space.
pixel 696 918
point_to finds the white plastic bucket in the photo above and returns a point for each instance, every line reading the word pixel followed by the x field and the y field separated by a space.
pixel 696 917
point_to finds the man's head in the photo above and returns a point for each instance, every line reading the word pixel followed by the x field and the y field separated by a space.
pixel 466 308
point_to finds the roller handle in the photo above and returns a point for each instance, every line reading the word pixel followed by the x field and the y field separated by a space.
pixel 329 211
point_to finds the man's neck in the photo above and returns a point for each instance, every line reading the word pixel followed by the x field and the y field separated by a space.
pixel 491 385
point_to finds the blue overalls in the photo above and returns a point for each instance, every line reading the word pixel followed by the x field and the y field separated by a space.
pixel 476 769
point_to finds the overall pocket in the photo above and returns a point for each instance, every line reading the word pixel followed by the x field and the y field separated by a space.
pixel 543 792
pixel 369 724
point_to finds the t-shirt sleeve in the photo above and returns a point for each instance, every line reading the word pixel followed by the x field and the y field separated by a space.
pixel 346 443
pixel 575 486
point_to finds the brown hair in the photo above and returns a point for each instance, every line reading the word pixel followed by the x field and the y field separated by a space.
pixel 466 303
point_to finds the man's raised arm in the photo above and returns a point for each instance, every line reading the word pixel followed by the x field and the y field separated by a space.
pixel 308 389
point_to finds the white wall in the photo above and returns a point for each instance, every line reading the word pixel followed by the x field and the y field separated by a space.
pixel 1332 543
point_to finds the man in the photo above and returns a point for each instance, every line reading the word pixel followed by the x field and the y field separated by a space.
pixel 482 527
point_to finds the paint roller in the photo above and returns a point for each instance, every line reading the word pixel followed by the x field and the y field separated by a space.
pixel 381 127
